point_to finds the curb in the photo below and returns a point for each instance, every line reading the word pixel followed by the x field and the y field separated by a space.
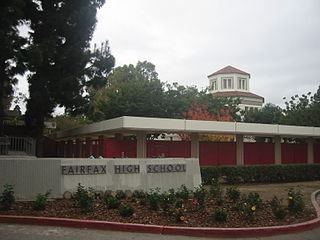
pixel 172 230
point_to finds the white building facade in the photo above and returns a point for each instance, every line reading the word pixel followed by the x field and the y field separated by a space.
pixel 232 82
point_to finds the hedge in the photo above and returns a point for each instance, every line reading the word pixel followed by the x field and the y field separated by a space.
pixel 262 173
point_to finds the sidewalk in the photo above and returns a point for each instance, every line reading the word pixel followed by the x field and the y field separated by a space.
pixel 30 232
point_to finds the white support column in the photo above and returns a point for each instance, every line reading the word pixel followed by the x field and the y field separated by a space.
pixel 239 149
pixel 141 144
pixel 277 150
pixel 310 142
pixel 194 145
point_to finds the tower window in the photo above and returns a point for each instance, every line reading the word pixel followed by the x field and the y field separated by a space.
pixel 214 84
pixel 227 83
pixel 242 83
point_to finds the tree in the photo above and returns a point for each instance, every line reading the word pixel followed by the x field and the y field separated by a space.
pixel 303 110
pixel 58 55
pixel 130 91
pixel 11 51
pixel 100 65
pixel 198 112
pixel 268 114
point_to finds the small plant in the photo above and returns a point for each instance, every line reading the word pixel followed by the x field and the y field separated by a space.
pixel 143 202
pixel 295 201
pixel 253 199
pixel 154 199
pixel 249 204
pixel 220 215
pixel 120 194
pixel 166 201
pixel 200 195
pixel 233 194
pixel 179 203
pixel 183 193
pixel 139 194
pixel 278 211
pixel 41 201
pixel 180 216
pixel 126 211
pixel 215 189
pixel 7 197
pixel 85 198
pixel 112 202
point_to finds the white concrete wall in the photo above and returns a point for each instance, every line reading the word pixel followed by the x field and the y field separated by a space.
pixel 40 175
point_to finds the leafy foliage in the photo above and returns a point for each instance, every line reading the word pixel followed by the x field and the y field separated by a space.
pixel 262 173
pixel 112 202
pixel 41 201
pixel 233 193
pixel 126 211
pixel 278 210
pixel 85 198
pixel 183 192
pixel 200 112
pixel 200 194
pixel 12 49
pixel 295 201
pixel 220 215
pixel 57 56
pixel 7 197
pixel 303 110
pixel 269 114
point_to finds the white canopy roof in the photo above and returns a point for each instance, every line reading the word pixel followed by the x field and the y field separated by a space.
pixel 153 125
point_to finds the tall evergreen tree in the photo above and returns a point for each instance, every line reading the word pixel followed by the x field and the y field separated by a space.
pixel 11 51
pixel 58 55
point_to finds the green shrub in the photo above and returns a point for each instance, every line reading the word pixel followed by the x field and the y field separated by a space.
pixel 7 197
pixel 126 211
pixel 200 194
pixel 233 193
pixel 85 198
pixel 179 203
pixel 41 201
pixel 139 194
pixel 262 173
pixel 253 199
pixel 143 202
pixel 166 201
pixel 295 201
pixel 249 204
pixel 215 189
pixel 121 194
pixel 183 193
pixel 220 215
pixel 153 198
pixel 278 211
pixel 112 202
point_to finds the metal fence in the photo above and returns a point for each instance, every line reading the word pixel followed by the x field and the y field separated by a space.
pixel 24 145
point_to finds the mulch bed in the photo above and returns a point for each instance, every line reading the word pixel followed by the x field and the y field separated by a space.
pixel 66 208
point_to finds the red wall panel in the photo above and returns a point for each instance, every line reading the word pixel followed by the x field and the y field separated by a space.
pixel 316 152
pixel 292 153
pixel 179 149
pixel 114 148
pixel 259 153
pixel 217 153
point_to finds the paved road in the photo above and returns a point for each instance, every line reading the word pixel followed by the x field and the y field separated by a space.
pixel 29 232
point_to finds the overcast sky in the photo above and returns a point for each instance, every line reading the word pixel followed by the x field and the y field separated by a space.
pixel 276 41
